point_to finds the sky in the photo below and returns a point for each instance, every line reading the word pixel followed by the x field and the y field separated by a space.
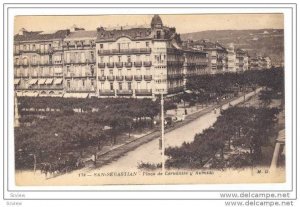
pixel 184 23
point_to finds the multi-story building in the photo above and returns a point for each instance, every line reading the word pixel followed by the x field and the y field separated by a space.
pixel 231 56
pixel 38 63
pixel 217 55
pixel 144 62
pixel 260 63
pixel 241 60
pixel 80 63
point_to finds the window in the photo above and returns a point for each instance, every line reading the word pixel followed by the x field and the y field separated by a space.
pixel 102 86
pixel 120 85
pixel 83 82
pixel 111 72
pixel 101 46
pixel 68 69
pixel 147 44
pixel 111 86
pixel 92 70
pixel 158 34
pixel 128 71
pixel 33 47
pixel 138 57
pixel 101 59
pixel 138 71
pixel 119 59
pixel 110 59
pixel 92 55
pixel 92 82
pixel 137 44
pixel 68 84
pixel 120 72
pixel 147 85
pixel 128 59
pixel 102 72
pixel 129 85
pixel 138 84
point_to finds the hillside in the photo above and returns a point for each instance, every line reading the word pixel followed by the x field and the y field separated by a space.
pixel 268 42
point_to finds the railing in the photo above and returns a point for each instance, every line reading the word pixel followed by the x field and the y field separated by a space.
pixel 90 61
pixel 101 78
pixel 45 87
pixel 81 90
pixel 119 64
pixel 110 77
pixel 147 63
pixel 124 92
pixel 128 77
pixel 124 51
pixel 128 64
pixel 138 77
pixel 104 92
pixel 143 92
pixel 110 65
pixel 147 77
pixel 101 65
pixel 175 89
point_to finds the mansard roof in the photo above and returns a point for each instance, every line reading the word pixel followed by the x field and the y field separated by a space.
pixel 82 34
pixel 40 36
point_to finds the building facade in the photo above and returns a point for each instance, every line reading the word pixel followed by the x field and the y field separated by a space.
pixel 260 63
pixel 80 63
pixel 242 60
pixel 38 63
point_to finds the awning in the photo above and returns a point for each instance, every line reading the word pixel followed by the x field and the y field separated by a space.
pixel 58 81
pixel 16 81
pixel 49 81
pixel 33 81
pixel 31 94
pixel 76 95
pixel 42 81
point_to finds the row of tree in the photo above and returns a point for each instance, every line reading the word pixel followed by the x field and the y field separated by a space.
pixel 242 127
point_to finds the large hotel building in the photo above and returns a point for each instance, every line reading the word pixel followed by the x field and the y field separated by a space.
pixel 124 62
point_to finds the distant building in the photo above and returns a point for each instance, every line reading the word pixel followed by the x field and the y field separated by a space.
pixel 260 63
pixel 241 60
pixel 231 56
pixel 217 55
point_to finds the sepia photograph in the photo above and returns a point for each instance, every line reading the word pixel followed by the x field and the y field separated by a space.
pixel 149 99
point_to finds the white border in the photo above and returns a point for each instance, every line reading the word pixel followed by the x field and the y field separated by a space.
pixel 161 10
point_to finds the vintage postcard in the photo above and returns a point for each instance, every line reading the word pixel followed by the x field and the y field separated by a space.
pixel 149 99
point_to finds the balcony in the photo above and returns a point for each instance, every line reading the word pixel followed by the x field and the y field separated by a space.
pixel 101 65
pixel 105 92
pixel 138 64
pixel 125 51
pixel 110 77
pixel 147 63
pixel 110 65
pixel 102 78
pixel 175 89
pixel 119 78
pixel 143 92
pixel 124 92
pixel 138 77
pixel 128 64
pixel 119 64
pixel 48 51
pixel 147 77
pixel 90 61
pixel 128 77
pixel 80 89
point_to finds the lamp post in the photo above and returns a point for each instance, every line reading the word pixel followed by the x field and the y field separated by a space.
pixel 162 134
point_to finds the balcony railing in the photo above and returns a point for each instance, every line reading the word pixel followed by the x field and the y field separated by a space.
pixel 125 51
pixel 101 65
pixel 138 64
pixel 128 64
pixel 124 92
pixel 138 77
pixel 119 78
pixel 119 64
pixel 110 65
pixel 147 77
pixel 104 92
pixel 110 77
pixel 81 90
pixel 128 77
pixel 147 63
pixel 175 89
pixel 101 78
pixel 143 92
pixel 90 61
